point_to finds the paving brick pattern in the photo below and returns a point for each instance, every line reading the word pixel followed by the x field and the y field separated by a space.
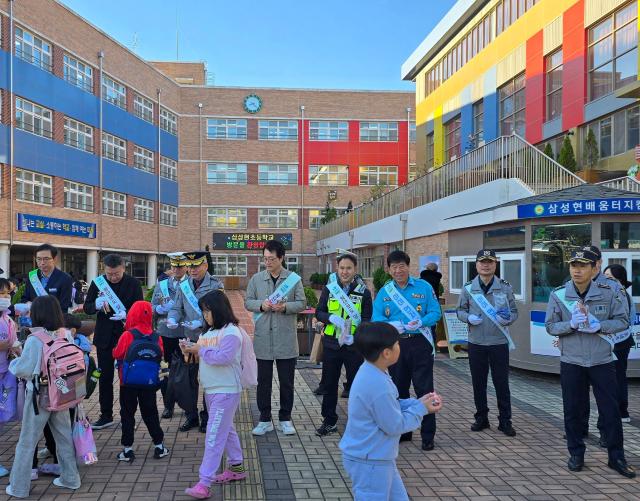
pixel 464 465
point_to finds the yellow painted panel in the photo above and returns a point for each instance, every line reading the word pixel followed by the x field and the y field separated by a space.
pixel 438 137
pixel 511 65
pixel 552 36
pixel 477 89
pixel 595 9
pixel 452 104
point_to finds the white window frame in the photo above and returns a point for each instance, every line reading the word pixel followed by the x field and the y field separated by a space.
pixel 33 118
pixel 282 171
pixel 111 202
pixel 33 49
pixel 318 173
pixel 225 173
pixel 628 256
pixel 114 92
pixel 114 148
pixel 34 187
pixel 384 170
pixel 143 159
pixel 143 210
pixel 78 196
pixel 328 130
pixel 78 73
pixel 78 135
pixel 379 132
pixel 465 260
pixel 282 216
pixel 216 213
pixel 143 108
pixel 168 168
pixel 315 217
pixel 168 215
pixel 228 129
pixel 168 121
pixel 223 262
pixel 277 130
pixel 521 259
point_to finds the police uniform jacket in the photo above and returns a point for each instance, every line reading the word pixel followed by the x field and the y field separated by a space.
pixel 486 333
pixel 419 294
pixel 172 286
pixel 275 334
pixel 581 348
pixel 182 310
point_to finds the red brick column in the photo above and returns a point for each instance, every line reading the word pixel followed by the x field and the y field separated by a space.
pixel 58 61
pixel 58 192
pixel 130 146
pixel 252 129
pixel 58 127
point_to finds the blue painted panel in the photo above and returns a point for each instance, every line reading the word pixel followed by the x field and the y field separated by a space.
pixel 604 106
pixel 127 126
pixel 490 105
pixel 552 128
pixel 4 144
pixel 125 179
pixel 4 69
pixel 169 145
pixel 466 128
pixel 169 191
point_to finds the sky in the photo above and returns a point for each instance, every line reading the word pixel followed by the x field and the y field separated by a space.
pixel 328 44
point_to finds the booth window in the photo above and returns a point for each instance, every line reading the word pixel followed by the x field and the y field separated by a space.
pixel 551 247
pixel 462 269
pixel 505 239
pixel 620 236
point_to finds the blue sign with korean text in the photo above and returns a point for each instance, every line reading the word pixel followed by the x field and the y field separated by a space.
pixel 579 207
pixel 42 224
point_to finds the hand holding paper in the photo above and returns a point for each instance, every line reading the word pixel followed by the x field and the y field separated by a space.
pixel 414 325
pixel 474 319
pixel 22 308
pixel 577 318
pixel 171 323
pixel 594 326
pixel 101 301
pixel 119 316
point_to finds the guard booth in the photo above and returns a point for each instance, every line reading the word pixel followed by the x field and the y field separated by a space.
pixel 533 238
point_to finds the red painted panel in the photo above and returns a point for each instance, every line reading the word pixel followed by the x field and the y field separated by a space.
pixel 574 75
pixel 534 91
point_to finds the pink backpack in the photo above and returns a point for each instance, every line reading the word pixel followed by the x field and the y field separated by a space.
pixel 248 362
pixel 63 366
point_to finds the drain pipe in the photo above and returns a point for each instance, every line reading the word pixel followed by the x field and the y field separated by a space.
pixel 100 157
pixel 11 118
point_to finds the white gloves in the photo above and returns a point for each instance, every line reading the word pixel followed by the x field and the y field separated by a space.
pixel 100 302
pixel 398 325
pixel 414 325
pixel 577 318
pixel 502 320
pixel 337 321
pixel 594 326
pixel 171 323
pixel 22 308
pixel 192 325
pixel 474 319
pixel 119 316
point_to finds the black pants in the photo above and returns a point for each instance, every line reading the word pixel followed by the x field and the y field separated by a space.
pixel 575 380
pixel 50 442
pixel 496 358
pixel 171 346
pixel 332 361
pixel 286 373
pixel 105 383
pixel 129 400
pixel 416 365
pixel 623 388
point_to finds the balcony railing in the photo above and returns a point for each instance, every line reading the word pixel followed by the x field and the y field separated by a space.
pixel 622 183
pixel 503 158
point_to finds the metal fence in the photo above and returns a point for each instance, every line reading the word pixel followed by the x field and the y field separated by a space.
pixel 622 183
pixel 503 158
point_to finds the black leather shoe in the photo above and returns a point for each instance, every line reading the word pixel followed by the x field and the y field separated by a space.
pixel 621 466
pixel 575 463
pixel 406 437
pixel 203 426
pixel 602 443
pixel 319 391
pixel 480 425
pixel 508 430
pixel 427 446
pixel 167 414
pixel 189 424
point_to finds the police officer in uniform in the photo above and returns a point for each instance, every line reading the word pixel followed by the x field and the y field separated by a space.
pixel 336 349
pixel 415 364
pixel 581 313
pixel 488 346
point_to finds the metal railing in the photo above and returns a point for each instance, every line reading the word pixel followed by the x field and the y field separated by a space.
pixel 503 158
pixel 622 183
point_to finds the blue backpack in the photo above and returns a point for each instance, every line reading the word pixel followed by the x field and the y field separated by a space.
pixel 141 364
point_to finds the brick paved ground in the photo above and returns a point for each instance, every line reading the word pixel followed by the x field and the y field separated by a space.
pixel 483 466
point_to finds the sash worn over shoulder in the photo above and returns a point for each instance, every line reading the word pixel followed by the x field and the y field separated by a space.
pixel 346 303
pixel 408 311
pixel 36 284
pixel 164 288
pixel 488 309
pixel 190 296
pixel 114 301
pixel 280 293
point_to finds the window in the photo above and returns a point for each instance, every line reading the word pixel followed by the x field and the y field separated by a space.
pixel 369 260
pixel 373 176
pixel 553 88
pixel 278 130
pixel 33 118
pixel 456 278
pixel 78 73
pixel 229 266
pixel 168 215
pixel 512 104
pixel 78 135
pixel 277 218
pixel 511 268
pixel 32 187
pixel 168 122
pixel 277 174
pixel 412 132
pixel 631 261
pixel 616 133
pixel 114 148
pixel 226 218
pixel 478 123
pixel 168 168
pixel 114 204
pixel 78 196
pixel 143 159
pixel 226 128
pixel 452 138
pixel 329 175
pixel 551 246
pixel 379 131
pixel 328 131
pixel 32 49
pixel 430 151
pixel 292 263
pixel 505 239
pixel 413 172
pixel 620 236
pixel 114 92
pixel 143 210
pixel 613 52
pixel 315 219
pixel 143 108
pixel 226 174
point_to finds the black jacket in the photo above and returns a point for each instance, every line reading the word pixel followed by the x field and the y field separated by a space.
pixel 433 279
pixel 59 285
pixel 107 332
pixel 322 311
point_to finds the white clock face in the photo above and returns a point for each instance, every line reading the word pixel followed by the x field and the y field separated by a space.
pixel 252 103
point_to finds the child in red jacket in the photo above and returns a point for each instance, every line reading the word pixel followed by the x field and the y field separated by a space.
pixel 139 319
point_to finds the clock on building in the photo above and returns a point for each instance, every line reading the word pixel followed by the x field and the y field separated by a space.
pixel 252 103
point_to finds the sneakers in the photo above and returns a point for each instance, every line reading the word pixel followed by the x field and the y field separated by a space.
pixel 44 453
pixel 3 471
pixel 58 483
pixel 198 491
pixel 102 422
pixel 50 469
pixel 262 428
pixel 160 451
pixel 287 428
pixel 229 476
pixel 126 456
pixel 326 429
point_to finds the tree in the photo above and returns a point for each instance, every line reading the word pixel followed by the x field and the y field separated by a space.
pixel 548 150
pixel 378 190
pixel 591 152
pixel 328 214
pixel 567 157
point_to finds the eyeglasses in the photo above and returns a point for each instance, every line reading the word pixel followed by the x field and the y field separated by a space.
pixel 43 259
pixel 270 259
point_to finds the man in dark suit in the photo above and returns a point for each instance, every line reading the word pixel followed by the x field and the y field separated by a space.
pixel 110 324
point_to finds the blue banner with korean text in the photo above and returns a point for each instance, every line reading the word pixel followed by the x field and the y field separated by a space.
pixel 579 207
pixel 41 224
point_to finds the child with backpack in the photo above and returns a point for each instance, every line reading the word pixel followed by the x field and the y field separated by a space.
pixel 42 362
pixel 139 353
pixel 222 372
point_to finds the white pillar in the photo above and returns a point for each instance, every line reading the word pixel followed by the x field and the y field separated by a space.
pixel 92 265
pixel 4 259
pixel 152 270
